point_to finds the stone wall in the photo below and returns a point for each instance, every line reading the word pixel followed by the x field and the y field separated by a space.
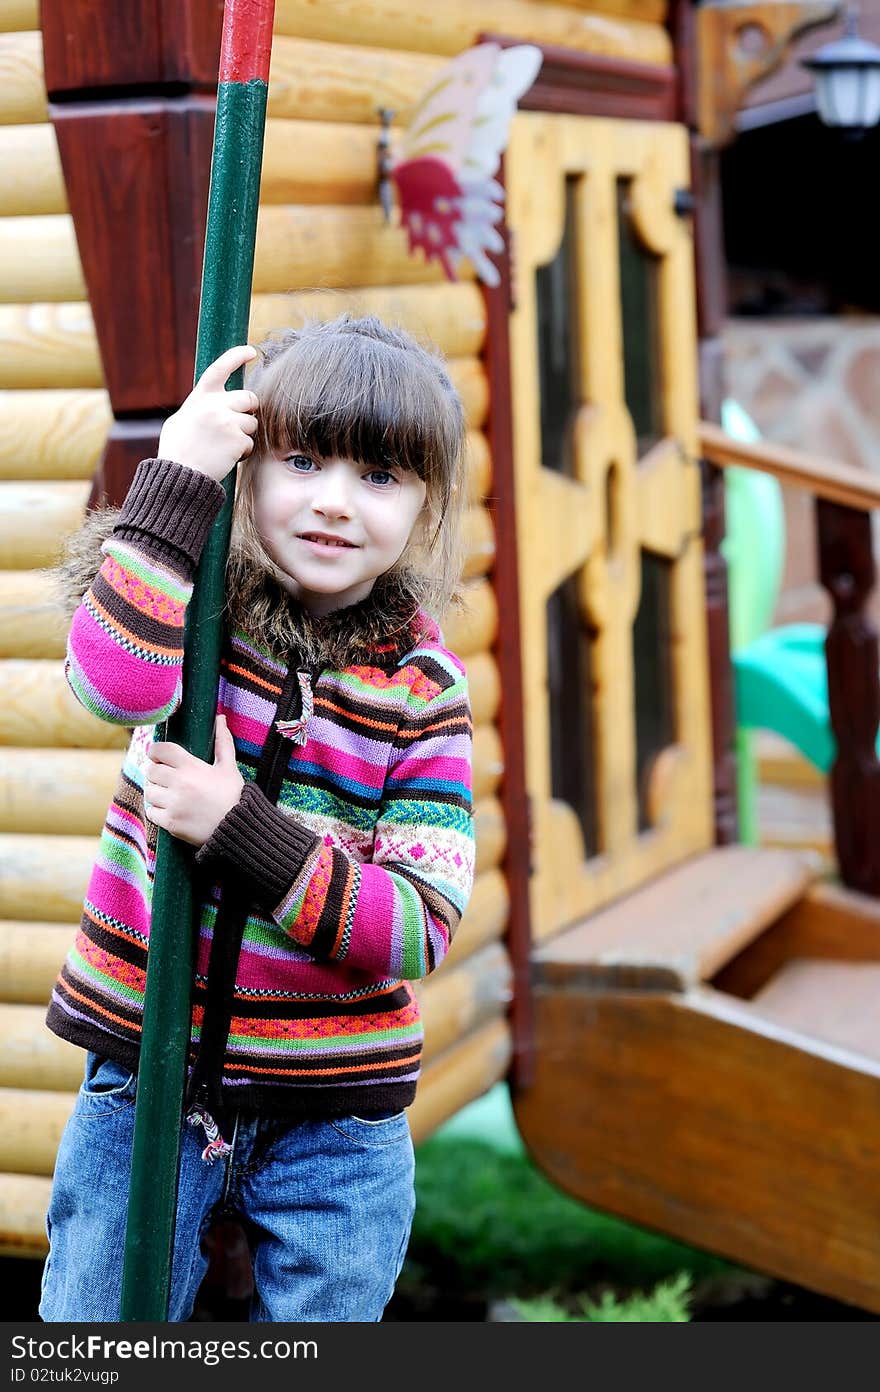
pixel 815 384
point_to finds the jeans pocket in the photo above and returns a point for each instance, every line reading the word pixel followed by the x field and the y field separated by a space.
pixel 373 1131
pixel 107 1087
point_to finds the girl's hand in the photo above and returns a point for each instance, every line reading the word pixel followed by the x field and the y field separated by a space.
pixel 188 797
pixel 214 428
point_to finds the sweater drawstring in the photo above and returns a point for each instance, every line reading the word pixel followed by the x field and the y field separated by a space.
pixel 297 730
pixel 216 1148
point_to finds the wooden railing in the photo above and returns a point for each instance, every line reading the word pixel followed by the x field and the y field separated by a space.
pixel 844 498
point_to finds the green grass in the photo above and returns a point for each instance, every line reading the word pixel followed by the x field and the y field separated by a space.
pixel 489 1225
pixel 668 1303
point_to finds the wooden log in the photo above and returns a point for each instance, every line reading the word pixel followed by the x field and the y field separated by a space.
pixel 474 627
pixel 44 877
pixel 479 465
pixel 34 520
pixel 336 82
pixel 334 162
pixel 24 1200
pixel 65 792
pixel 485 916
pixel 453 1001
pixel 22 89
pixel 31 1124
pixel 31 624
pixel 30 957
pixel 19 14
pixel 32 1057
pixel 48 345
pixel 451 317
pixel 39 260
pixel 65 431
pixel 31 181
pixel 488 762
pixel 457 24
pixel 479 540
pixel 490 833
pixel 38 710
pixel 484 685
pixel 458 1076
pixel 300 246
pixel 470 381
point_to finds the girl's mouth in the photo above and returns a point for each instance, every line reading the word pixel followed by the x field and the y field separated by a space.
pixel 327 542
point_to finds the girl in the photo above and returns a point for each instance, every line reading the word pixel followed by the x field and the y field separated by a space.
pixel 332 834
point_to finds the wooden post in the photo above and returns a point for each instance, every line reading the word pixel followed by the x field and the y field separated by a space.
pixel 131 95
pixel 223 322
pixel 848 572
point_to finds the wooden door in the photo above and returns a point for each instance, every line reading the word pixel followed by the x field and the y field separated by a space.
pixel 612 612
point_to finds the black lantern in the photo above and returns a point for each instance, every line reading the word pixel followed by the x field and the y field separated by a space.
pixel 847 77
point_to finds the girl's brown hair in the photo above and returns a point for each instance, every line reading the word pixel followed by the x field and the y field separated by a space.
pixel 354 388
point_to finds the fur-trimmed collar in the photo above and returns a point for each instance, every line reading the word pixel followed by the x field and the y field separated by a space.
pixel 378 629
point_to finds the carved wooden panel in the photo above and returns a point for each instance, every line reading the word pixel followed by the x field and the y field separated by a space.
pixel 601 516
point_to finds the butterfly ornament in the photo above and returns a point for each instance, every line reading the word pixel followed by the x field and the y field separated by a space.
pixel 449 154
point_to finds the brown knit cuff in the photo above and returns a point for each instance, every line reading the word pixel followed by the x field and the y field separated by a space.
pixel 170 509
pixel 265 846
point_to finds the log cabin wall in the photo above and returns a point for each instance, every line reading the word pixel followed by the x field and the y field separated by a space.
pixel 322 246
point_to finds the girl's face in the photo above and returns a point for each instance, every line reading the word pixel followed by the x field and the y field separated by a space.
pixel 333 525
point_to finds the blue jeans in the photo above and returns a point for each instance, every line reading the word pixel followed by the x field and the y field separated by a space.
pixel 327 1206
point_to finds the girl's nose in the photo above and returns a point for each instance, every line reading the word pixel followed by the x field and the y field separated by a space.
pixel 332 496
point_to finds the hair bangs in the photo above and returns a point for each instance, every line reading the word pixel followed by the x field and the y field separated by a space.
pixel 353 398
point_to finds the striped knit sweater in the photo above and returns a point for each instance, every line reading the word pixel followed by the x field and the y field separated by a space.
pixel 329 888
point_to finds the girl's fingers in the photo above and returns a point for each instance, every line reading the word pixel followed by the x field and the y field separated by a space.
pixel 248 424
pixel 215 376
pixel 154 794
pixel 242 401
pixel 164 752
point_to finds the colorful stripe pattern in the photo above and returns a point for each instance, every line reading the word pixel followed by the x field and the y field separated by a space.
pixel 324 1016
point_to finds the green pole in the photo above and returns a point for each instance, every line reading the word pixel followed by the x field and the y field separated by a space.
pixel 223 322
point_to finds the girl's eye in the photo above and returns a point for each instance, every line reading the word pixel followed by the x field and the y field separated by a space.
pixel 381 476
pixel 300 462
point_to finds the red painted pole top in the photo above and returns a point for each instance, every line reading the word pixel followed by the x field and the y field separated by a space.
pixel 247 40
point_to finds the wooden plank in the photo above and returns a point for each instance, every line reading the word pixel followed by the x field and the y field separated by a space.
pixel 457 1077
pixel 302 246
pixel 484 918
pixel 141 43
pixel 452 317
pixel 35 519
pixel 635 31
pixel 44 877
pixel 825 478
pixel 31 181
pixel 33 1058
pixel 472 628
pixel 490 832
pixel 683 927
pixel 39 260
pixel 318 162
pixel 24 1202
pixel 56 792
pixel 65 431
pixel 48 346
pixel 457 998
pixel 19 14
pixel 38 710
pixel 31 624
pixel 31 1124
pixel 830 1000
pixel 829 922
pixel 22 90
pixel 479 543
pixel 693 1115
pixel 30 957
